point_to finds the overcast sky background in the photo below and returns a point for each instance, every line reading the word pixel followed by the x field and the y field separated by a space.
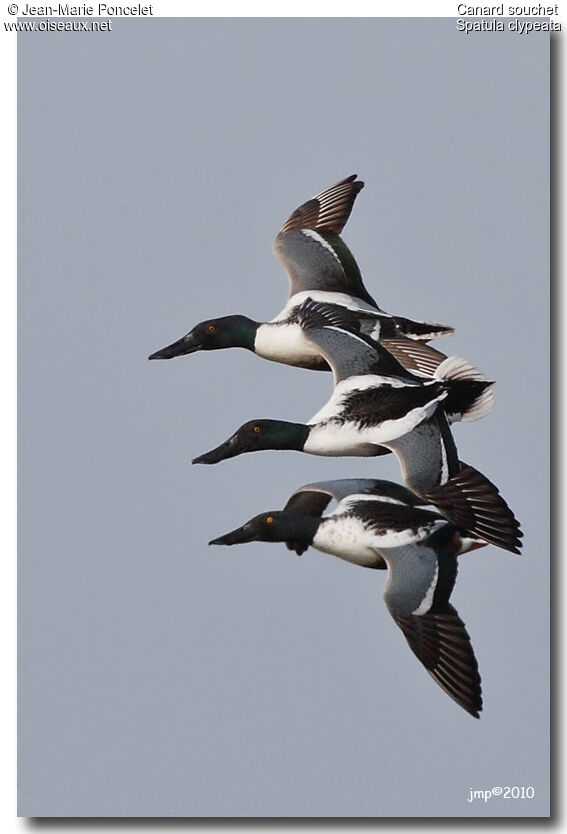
pixel 159 677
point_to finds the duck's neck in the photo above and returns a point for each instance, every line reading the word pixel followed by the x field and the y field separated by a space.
pixel 298 530
pixel 284 435
pixel 243 332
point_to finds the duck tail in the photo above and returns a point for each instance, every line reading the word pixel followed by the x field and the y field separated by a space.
pixel 474 505
pixel 469 392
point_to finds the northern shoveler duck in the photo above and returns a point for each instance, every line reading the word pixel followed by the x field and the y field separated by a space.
pixel 319 265
pixel 377 405
pixel 381 527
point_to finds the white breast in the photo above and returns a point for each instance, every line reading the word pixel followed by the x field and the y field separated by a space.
pixel 335 439
pixel 348 539
pixel 284 343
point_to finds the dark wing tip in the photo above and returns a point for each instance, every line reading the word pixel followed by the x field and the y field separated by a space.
pixel 474 504
pixel 328 210
pixel 441 642
pixel 313 314
pixel 351 179
pixel 423 331
pixel 415 356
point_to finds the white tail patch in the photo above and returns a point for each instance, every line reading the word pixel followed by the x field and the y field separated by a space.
pixel 453 369
pixel 467 544
pixel 481 406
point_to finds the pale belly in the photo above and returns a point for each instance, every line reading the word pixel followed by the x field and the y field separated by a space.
pixel 349 541
pixel 286 343
pixel 334 438
pixel 339 441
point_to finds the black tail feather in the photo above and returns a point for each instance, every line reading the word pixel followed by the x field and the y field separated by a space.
pixel 469 393
pixel 464 398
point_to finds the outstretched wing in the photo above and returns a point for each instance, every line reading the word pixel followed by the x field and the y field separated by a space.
pixel 473 503
pixel 420 582
pixel 310 249
pixel 336 332
pixel 428 455
pixel 328 210
pixel 313 499
pixel 417 357
pixel 441 642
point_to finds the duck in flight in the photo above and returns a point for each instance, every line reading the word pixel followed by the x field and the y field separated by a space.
pixel 377 406
pixel 377 524
pixel 319 265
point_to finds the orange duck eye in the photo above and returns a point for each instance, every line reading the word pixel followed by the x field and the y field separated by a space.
pixel 269 520
pixel 256 429
pixel 211 328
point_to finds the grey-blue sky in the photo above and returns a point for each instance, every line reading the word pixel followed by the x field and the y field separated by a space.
pixel 156 164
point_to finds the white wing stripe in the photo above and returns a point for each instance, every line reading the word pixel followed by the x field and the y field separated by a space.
pixel 427 600
pixel 321 240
